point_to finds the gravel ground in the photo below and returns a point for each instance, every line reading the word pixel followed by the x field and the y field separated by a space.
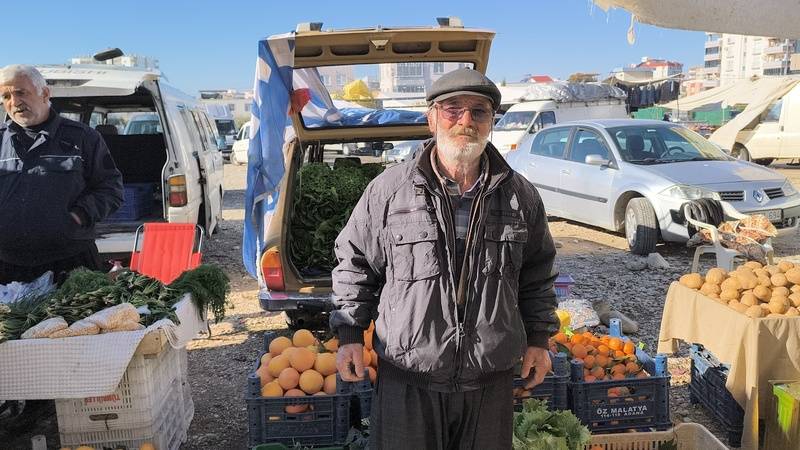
pixel 218 366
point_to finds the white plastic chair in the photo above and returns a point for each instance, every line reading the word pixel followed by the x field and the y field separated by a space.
pixel 725 256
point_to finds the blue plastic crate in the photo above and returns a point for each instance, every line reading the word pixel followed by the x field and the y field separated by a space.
pixel 642 405
pixel 553 389
pixel 327 422
pixel 563 285
pixel 137 201
pixel 707 388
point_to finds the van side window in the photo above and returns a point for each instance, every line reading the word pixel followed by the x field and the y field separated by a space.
pixel 551 143
pixel 587 143
pixel 774 112
pixel 545 119
pixel 208 129
pixel 191 128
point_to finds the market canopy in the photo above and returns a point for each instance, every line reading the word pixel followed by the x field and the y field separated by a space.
pixel 775 18
pixel 726 135
pixel 742 92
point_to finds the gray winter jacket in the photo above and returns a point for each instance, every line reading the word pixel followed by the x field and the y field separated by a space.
pixel 396 257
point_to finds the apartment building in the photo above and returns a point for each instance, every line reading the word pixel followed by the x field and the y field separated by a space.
pixel 732 57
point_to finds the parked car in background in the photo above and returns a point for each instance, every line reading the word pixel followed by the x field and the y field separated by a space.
pixel 143 123
pixel 634 176
pixel 240 145
pixel 161 140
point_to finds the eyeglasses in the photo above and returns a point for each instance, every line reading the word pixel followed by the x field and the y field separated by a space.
pixel 453 113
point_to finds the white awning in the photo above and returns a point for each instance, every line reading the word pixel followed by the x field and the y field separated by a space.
pixel 742 92
pixel 726 135
pixel 776 18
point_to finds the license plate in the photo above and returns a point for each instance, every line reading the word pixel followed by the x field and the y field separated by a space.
pixel 774 215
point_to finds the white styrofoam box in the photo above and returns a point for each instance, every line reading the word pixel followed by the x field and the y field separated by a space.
pixel 139 397
pixel 167 431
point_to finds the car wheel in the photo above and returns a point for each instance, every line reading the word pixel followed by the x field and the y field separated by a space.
pixel 641 226
pixel 764 161
pixel 741 153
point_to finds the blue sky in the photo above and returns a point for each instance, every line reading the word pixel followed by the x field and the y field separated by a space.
pixel 212 45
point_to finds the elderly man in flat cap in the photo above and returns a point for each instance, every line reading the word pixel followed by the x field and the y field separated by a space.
pixel 450 254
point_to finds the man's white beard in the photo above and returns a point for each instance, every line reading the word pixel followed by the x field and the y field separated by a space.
pixel 452 150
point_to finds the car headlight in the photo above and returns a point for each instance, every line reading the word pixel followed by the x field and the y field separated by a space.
pixel 684 192
pixel 788 189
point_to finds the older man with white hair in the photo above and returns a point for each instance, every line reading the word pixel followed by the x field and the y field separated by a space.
pixel 57 180
pixel 450 254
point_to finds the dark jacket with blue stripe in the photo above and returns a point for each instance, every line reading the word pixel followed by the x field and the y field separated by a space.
pixel 68 169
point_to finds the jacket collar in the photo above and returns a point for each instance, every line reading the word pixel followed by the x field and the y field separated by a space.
pixel 423 173
pixel 50 125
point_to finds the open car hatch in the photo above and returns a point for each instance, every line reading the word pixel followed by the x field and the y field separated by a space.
pixel 395 65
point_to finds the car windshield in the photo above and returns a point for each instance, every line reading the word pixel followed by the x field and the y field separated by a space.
pixel 515 120
pixel 226 127
pixel 368 95
pixel 661 144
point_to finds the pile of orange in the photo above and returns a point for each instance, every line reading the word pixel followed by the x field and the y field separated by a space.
pixel 603 357
pixel 303 366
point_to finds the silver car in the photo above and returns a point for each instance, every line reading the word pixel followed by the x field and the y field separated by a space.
pixel 634 176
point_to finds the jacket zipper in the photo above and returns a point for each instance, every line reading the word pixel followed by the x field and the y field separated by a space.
pixel 451 237
pixel 465 275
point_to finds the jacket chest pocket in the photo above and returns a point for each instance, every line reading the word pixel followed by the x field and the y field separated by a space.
pixel 56 164
pixel 505 243
pixel 414 251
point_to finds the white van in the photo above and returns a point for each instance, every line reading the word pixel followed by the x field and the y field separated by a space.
pixel 523 120
pixel 160 138
pixel 775 135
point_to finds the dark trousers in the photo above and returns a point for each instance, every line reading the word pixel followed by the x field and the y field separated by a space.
pixel 408 417
pixel 88 258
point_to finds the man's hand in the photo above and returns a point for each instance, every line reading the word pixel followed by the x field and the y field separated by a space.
pixel 350 355
pixel 535 358
pixel 76 218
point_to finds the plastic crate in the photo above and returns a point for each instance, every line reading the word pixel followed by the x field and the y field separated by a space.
pixel 783 422
pixel 563 285
pixel 167 431
pixel 553 389
pixel 139 397
pixel 643 405
pixel 326 423
pixel 685 436
pixel 707 387
pixel 137 202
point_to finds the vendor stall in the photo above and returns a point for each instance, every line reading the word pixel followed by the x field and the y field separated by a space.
pixel 758 350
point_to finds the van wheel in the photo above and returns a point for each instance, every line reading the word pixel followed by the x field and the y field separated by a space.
pixel 641 226
pixel 741 153
pixel 764 161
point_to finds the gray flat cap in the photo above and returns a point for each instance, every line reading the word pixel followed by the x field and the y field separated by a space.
pixel 463 81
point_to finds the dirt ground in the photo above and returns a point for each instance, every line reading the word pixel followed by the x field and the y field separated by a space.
pixel 218 366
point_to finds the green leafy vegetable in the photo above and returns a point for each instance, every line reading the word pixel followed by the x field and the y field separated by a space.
pixel 322 203
pixel 209 287
pixel 536 428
